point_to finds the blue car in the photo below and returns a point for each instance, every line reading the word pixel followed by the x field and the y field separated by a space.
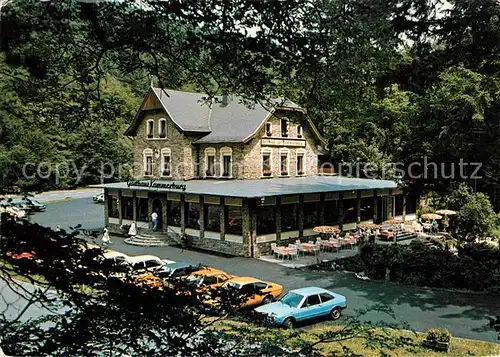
pixel 32 205
pixel 304 304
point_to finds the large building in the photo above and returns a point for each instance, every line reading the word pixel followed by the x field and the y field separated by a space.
pixel 236 177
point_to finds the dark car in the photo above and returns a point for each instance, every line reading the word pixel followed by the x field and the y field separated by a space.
pixel 32 205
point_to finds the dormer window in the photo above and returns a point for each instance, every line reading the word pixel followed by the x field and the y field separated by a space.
pixel 299 131
pixel 269 129
pixel 284 127
pixel 162 128
pixel 149 128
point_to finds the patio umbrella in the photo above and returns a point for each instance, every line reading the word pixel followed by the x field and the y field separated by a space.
pixel 326 229
pixel 366 225
pixel 446 212
pixel 431 216
pixel 394 221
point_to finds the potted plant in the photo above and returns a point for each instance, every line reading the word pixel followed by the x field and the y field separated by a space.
pixel 269 133
pixel 300 173
pixel 266 173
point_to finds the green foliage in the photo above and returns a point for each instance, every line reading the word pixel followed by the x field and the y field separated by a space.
pixel 474 268
pixel 438 335
pixel 476 218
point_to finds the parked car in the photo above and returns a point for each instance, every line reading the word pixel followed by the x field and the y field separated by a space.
pixel 179 269
pixel 147 263
pixel 258 291
pixel 35 205
pixel 22 205
pixel 208 278
pixel 99 198
pixel 304 304
pixel 15 212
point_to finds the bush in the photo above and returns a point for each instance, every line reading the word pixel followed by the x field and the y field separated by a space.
pixel 475 268
pixel 439 335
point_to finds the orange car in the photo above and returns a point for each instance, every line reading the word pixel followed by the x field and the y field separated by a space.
pixel 259 292
pixel 209 278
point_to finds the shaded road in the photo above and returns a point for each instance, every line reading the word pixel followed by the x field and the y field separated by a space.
pixel 463 314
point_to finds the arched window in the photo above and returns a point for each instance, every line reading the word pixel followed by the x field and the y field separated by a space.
pixel 267 160
pixel 147 163
pixel 300 162
pixel 284 162
pixel 209 162
pixel 226 159
pixel 162 128
pixel 166 163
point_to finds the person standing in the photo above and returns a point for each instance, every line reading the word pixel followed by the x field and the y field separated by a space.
pixel 435 225
pixel 132 232
pixel 105 237
pixel 154 219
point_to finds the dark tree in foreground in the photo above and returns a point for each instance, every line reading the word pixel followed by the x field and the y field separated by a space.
pixel 90 308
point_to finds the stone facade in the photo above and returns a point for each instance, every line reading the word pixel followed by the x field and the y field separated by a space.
pixel 189 160
pixel 183 156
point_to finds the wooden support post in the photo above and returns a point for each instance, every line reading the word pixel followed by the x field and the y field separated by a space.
pixel 404 207
pixel 134 206
pixel 358 207
pixel 301 215
pixel 322 209
pixel 202 217
pixel 164 206
pixel 341 210
pixel 223 216
pixel 183 214
pixel 375 207
pixel 106 208
pixel 278 218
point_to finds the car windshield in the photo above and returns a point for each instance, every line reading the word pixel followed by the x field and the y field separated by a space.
pixel 195 280
pixel 291 299
pixel 232 285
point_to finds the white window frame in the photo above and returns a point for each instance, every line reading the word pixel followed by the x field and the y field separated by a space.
pixel 270 129
pixel 145 154
pixel 263 152
pixel 165 152
pixel 210 151
pixel 300 131
pixel 283 152
pixel 287 127
pixel 152 133
pixel 226 151
pixel 162 120
pixel 302 153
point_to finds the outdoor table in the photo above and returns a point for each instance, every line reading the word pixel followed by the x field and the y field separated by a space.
pixel 331 244
pixel 307 246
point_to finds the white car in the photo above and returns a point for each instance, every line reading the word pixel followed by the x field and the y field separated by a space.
pixel 144 263
pixel 15 212
pixel 99 198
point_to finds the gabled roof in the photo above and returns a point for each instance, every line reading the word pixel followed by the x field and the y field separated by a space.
pixel 236 121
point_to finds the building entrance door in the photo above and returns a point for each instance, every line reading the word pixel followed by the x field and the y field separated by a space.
pixel 157 206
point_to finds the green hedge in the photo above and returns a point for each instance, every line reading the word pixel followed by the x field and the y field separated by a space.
pixel 476 267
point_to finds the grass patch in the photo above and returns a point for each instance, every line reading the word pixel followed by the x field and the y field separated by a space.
pixel 60 200
pixel 358 345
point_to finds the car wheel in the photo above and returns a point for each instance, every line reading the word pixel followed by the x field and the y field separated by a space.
pixel 335 313
pixel 289 322
pixel 267 300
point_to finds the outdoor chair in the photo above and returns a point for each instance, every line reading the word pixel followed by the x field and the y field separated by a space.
pixel 317 249
pixel 301 249
pixel 273 249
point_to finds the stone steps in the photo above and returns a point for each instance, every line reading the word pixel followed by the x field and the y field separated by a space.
pixel 400 236
pixel 150 239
